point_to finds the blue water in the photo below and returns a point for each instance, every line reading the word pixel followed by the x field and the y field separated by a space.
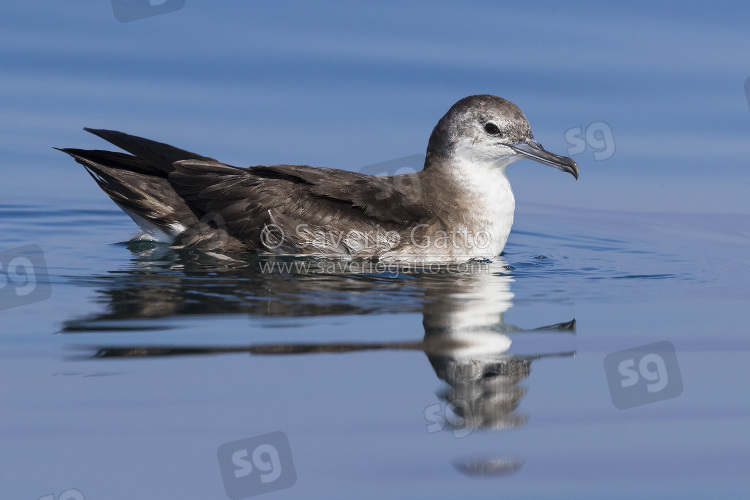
pixel 141 362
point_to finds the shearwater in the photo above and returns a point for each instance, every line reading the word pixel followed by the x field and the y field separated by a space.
pixel 459 207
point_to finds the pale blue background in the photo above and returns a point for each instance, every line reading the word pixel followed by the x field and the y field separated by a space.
pixel 345 85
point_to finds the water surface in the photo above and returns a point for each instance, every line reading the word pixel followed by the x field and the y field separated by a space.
pixel 145 360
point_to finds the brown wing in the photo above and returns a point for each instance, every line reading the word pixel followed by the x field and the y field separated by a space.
pixel 225 205
pixel 297 200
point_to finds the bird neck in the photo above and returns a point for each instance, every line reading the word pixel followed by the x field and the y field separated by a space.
pixel 476 197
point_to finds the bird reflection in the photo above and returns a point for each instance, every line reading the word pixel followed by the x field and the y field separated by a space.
pixel 466 339
pixel 488 467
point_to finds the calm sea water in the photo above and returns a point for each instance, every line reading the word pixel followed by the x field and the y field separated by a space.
pixel 604 355
pixel 143 361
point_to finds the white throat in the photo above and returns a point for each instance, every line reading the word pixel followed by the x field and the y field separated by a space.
pixel 488 194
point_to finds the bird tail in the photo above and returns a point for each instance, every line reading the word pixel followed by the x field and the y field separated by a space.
pixel 139 185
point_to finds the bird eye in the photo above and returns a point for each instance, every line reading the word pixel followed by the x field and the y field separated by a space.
pixel 492 129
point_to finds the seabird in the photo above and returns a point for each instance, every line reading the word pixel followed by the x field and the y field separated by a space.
pixel 459 207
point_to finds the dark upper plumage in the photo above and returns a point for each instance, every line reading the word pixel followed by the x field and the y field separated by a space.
pixel 194 200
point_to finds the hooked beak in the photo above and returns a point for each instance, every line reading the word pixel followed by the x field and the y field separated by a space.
pixel 531 149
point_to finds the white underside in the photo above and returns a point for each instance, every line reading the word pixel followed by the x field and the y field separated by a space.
pixel 152 232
